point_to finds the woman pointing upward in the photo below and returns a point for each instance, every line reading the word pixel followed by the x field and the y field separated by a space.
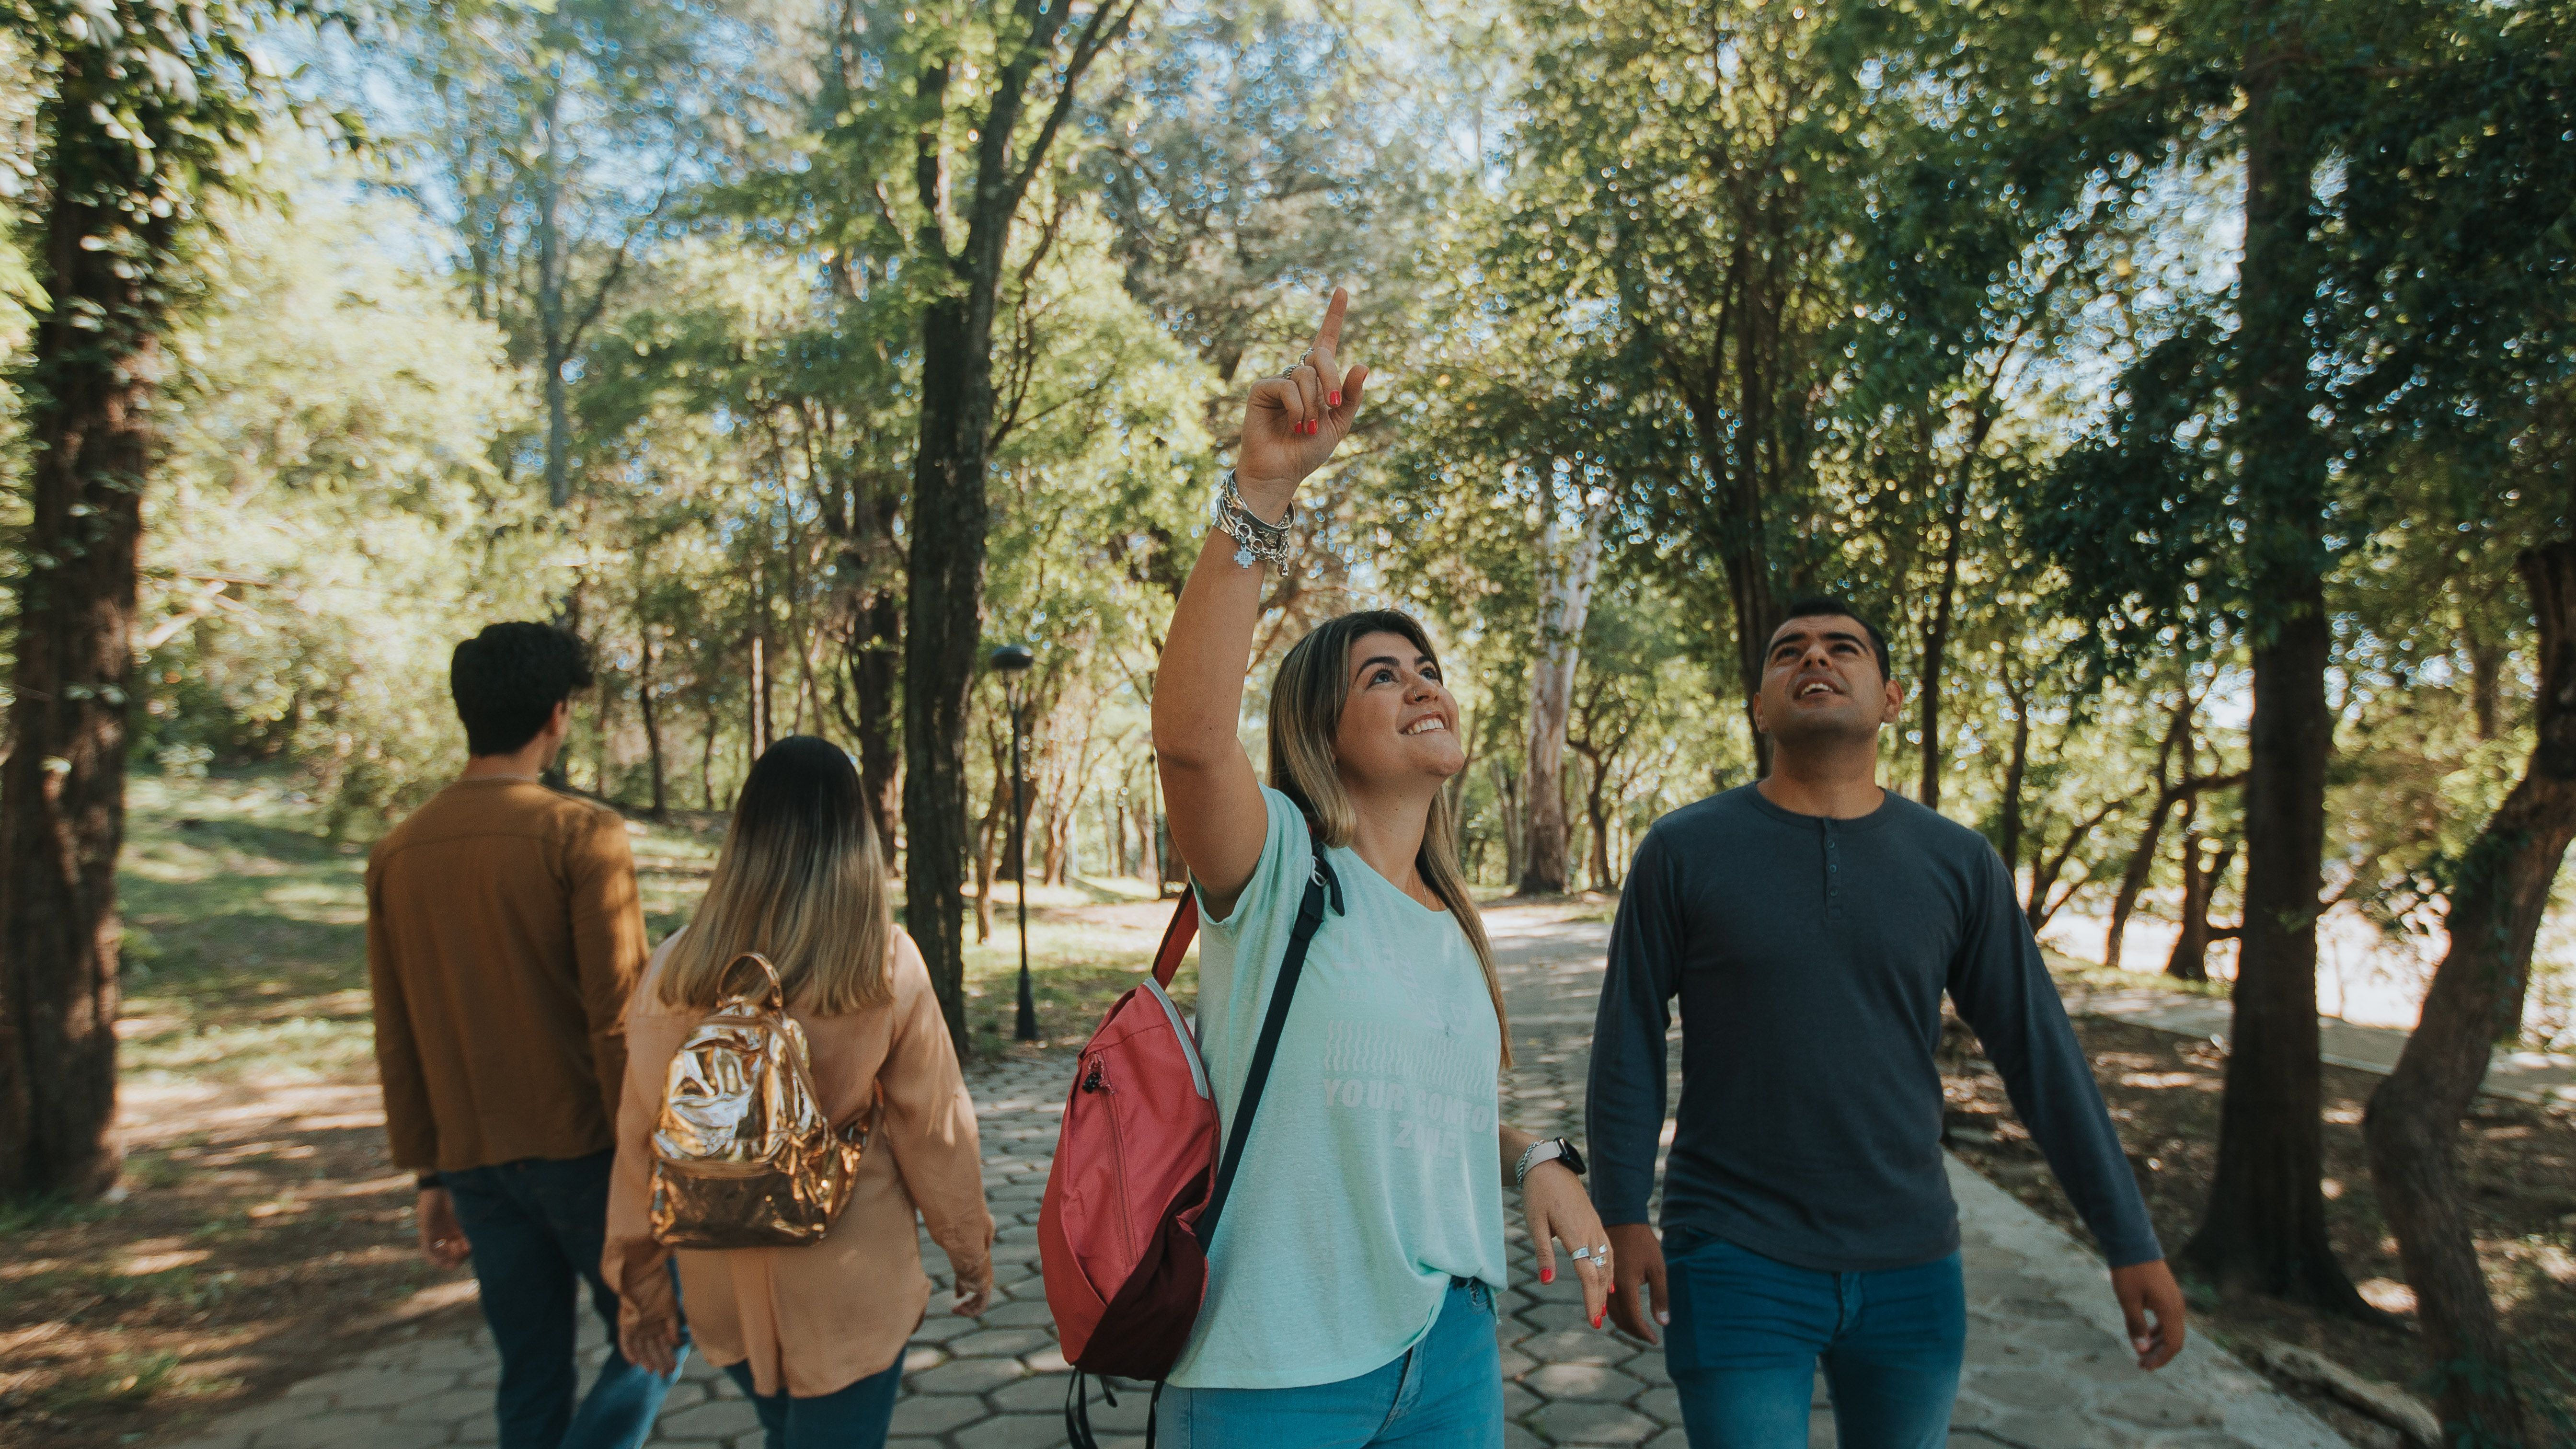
pixel 1351 1282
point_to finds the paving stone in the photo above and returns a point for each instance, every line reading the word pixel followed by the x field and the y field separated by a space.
pixel 2022 1388
pixel 1018 1315
pixel 941 1327
pixel 966 1376
pixel 935 1413
pixel 1583 1381
pixel 343 1430
pixel 1576 1345
pixel 714 1419
pixel 1000 1342
pixel 2042 1369
pixel 1013 1431
pixel 1573 1423
pixel 455 1406
pixel 220 1439
pixel 283 1409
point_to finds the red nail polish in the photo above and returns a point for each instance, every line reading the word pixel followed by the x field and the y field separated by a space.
pixel 1334 398
pixel 1596 1319
pixel 1547 1275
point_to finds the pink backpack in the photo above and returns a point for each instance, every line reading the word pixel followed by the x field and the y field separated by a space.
pixel 1133 1198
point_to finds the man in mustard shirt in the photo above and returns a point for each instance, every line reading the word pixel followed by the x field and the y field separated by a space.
pixel 503 935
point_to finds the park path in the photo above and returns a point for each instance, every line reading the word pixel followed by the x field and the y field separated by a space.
pixel 2047 1368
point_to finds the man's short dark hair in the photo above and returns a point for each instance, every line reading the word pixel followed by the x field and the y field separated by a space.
pixel 1817 606
pixel 508 679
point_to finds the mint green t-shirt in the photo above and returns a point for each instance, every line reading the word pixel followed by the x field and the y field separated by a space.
pixel 1372 1176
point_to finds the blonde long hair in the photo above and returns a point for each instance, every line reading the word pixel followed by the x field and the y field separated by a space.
pixel 1306 714
pixel 802 882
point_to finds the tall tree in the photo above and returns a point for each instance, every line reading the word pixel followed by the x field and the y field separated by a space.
pixel 559 135
pixel 1569 561
pixel 1013 129
pixel 146 110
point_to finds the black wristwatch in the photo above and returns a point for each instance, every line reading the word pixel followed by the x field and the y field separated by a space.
pixel 1554 1149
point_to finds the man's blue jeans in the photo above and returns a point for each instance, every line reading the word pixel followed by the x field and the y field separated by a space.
pixel 1748 1331
pixel 1445 1392
pixel 855 1417
pixel 538 1228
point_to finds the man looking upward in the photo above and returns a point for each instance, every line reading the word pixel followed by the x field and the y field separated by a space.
pixel 1809 924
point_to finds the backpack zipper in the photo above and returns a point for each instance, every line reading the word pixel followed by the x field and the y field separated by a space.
pixel 1093 1081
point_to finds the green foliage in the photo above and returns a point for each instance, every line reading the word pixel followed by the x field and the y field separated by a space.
pixel 328 521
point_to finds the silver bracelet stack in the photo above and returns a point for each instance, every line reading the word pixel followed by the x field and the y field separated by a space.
pixel 1259 540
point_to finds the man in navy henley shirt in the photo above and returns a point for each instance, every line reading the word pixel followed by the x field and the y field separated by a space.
pixel 1809 925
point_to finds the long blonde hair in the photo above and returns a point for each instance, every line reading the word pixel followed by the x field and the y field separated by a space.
pixel 1305 716
pixel 802 882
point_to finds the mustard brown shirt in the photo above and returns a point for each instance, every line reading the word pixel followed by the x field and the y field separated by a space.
pixel 503 937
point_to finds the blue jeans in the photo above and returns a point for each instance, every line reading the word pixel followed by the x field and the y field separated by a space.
pixel 537 1229
pixel 1747 1332
pixel 855 1417
pixel 1445 1392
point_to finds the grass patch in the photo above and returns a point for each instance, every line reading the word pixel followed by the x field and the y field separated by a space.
pixel 125 1379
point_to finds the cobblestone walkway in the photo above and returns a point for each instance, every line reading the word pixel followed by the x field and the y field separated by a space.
pixel 2046 1365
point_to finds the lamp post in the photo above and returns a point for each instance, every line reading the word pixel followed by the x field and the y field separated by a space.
pixel 1013 660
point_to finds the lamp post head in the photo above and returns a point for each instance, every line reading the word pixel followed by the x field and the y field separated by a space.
pixel 1014 658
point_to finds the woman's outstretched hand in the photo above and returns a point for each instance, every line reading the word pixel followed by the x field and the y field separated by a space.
pixel 1292 422
pixel 1560 1211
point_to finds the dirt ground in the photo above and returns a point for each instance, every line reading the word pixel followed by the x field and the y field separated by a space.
pixel 2519 1165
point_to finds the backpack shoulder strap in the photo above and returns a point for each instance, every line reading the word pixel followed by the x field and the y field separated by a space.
pixel 1177 937
pixel 1321 883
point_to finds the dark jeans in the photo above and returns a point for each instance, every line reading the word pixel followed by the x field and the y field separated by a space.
pixel 538 1228
pixel 1748 1332
pixel 855 1417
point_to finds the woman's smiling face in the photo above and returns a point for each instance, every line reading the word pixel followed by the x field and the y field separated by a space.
pixel 1399 719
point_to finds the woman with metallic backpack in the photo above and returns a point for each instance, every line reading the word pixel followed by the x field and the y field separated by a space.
pixel 792 1102
pixel 1350 1282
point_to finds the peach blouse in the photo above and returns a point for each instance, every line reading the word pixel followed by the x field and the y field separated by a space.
pixel 813 1320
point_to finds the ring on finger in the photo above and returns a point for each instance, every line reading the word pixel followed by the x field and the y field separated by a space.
pixel 1582 1253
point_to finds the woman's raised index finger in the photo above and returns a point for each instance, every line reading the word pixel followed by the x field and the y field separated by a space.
pixel 1328 337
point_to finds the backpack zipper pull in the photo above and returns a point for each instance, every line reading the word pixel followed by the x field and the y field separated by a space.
pixel 1091 1079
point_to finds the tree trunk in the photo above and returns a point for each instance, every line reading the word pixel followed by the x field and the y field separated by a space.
pixel 1936 648
pixel 2486 680
pixel 2476 1000
pixel 2200 877
pixel 987 839
pixel 96 367
pixel 2142 860
pixel 551 339
pixel 1565 602
pixel 872 662
pixel 707 756
pixel 2263 1229
pixel 943 628
pixel 651 715
pixel 2016 770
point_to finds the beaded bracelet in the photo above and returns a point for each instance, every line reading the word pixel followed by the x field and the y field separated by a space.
pixel 1259 539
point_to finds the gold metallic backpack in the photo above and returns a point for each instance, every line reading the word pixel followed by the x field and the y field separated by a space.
pixel 743 1156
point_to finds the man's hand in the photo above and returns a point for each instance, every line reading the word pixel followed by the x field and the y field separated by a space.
pixel 442 1238
pixel 2151 1301
pixel 1639 1258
